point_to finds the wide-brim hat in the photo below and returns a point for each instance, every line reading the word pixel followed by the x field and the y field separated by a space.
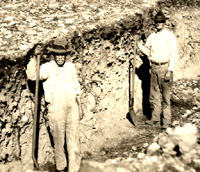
pixel 58 47
pixel 160 17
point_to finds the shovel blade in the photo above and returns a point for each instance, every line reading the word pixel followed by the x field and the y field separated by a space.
pixel 133 116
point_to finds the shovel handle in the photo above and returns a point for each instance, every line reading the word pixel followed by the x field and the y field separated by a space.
pixel 133 72
pixel 35 120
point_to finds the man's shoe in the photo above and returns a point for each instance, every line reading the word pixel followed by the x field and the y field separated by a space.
pixel 150 122
pixel 165 126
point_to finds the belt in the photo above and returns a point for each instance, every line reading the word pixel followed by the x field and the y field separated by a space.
pixel 159 63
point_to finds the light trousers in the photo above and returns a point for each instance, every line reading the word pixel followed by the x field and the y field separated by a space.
pixel 64 127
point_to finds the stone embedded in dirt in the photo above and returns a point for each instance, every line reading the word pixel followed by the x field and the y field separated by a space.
pixel 134 148
pixel 188 139
pixel 145 145
pixel 196 162
pixel 140 155
pixel 168 148
pixel 162 139
pixel 181 139
pixel 188 112
pixel 2 97
pixel 153 147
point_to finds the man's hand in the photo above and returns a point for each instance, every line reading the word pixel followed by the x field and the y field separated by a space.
pixel 38 50
pixel 140 43
pixel 169 76
pixel 81 114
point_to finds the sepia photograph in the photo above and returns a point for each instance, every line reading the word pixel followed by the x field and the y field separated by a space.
pixel 99 86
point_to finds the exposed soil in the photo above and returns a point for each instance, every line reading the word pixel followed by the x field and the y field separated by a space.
pixel 109 141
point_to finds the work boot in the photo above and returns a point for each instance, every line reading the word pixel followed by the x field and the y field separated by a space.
pixel 165 126
pixel 150 122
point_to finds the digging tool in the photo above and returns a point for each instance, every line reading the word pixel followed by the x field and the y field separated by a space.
pixel 35 120
pixel 132 88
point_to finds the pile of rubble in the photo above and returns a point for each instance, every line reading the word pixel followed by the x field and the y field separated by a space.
pixel 179 142
pixel 177 149
pixel 186 102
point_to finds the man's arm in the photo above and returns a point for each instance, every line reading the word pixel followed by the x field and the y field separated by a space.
pixel 173 48
pixel 31 70
pixel 78 91
pixel 143 48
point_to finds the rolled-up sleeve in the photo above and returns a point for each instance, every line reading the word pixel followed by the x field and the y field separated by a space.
pixel 31 70
pixel 144 48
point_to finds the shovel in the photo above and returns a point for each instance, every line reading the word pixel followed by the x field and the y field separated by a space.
pixel 132 88
pixel 35 120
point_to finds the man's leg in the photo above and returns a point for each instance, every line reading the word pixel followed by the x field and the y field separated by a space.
pixel 72 138
pixel 155 97
pixel 57 128
pixel 166 88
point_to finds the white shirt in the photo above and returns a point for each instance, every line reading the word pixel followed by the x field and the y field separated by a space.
pixel 60 83
pixel 161 47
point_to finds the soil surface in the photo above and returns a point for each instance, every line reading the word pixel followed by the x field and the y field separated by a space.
pixel 128 142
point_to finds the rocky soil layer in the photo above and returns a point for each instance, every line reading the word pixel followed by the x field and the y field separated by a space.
pixel 24 23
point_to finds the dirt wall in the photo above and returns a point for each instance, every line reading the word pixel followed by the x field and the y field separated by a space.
pixel 188 37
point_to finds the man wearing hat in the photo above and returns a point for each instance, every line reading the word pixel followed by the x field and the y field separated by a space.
pixel 161 49
pixel 62 92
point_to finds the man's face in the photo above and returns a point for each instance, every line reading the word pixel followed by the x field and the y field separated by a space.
pixel 60 59
pixel 159 26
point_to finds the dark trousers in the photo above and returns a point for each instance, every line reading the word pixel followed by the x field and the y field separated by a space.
pixel 160 94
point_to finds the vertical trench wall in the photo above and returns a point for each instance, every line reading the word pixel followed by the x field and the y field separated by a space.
pixel 188 38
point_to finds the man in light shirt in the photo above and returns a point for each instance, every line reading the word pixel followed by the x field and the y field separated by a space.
pixel 62 93
pixel 161 49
